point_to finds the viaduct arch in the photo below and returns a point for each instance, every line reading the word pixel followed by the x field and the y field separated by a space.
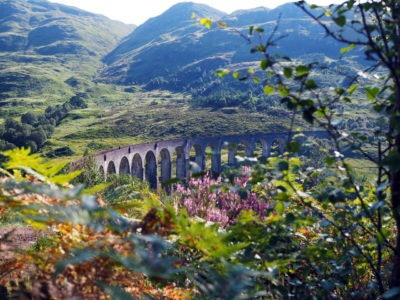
pixel 158 162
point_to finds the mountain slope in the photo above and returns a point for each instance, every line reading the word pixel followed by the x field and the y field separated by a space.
pixel 38 26
pixel 176 53
pixel 42 44
pixel 160 46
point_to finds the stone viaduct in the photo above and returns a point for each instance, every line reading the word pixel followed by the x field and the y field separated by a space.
pixel 158 162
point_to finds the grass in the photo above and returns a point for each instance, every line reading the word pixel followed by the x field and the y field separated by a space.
pixel 157 115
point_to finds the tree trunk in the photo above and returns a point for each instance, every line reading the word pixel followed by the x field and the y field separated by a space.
pixel 395 188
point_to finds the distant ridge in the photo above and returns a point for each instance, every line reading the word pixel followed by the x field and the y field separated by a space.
pixel 172 51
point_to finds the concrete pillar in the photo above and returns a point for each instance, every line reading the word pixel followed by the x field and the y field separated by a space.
pixel 200 158
pixel 180 163
pixel 282 146
pixel 166 166
pixel 216 161
pixel 231 155
pixel 249 150
pixel 266 151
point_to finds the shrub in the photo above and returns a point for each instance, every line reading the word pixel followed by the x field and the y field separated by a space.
pixel 213 201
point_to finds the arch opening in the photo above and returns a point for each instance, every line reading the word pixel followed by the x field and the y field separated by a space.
pixel 261 150
pixel 225 156
pixel 124 166
pixel 111 168
pixel 197 158
pixel 151 170
pixel 137 167
pixel 277 147
pixel 101 171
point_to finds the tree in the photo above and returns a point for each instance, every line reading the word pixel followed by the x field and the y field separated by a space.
pixel 39 137
pixel 29 118
pixel 373 28
pixel 376 29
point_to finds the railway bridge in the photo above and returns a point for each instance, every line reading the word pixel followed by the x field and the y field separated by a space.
pixel 158 162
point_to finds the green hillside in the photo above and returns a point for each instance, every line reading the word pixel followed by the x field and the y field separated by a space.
pixel 94 83
pixel 43 45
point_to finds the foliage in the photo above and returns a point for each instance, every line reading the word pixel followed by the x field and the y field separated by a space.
pixel 35 129
pixel 359 218
pixel 89 249
pixel 213 201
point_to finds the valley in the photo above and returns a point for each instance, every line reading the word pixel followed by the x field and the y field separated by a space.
pixel 153 82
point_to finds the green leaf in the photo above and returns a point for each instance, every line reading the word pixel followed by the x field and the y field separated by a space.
pixel 288 72
pixel 330 160
pixel 247 216
pixel 261 48
pixel 340 21
pixel 372 92
pixel 264 64
pixel 251 30
pixel 340 91
pixel 96 189
pixel 352 88
pixel 321 112
pixel 380 238
pixel 311 84
pixel 280 207
pixel 302 70
pixel 236 75
pixel 269 90
pixel 293 147
pixel 347 49
pixel 283 91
